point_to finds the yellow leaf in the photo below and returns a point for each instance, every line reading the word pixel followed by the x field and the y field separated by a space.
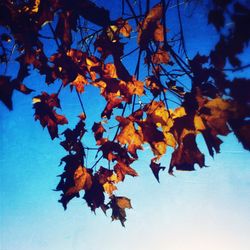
pixel 36 100
pixel 129 135
pixel 135 87
pixel 109 187
pixel 198 123
pixel 110 71
pixel 178 112
pixel 82 180
pixel 158 114
pixel 169 138
pixel 159 148
pixel 79 83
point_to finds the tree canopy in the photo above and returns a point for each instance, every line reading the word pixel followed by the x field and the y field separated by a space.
pixel 154 93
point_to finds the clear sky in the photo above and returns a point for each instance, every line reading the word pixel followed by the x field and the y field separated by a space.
pixel 203 210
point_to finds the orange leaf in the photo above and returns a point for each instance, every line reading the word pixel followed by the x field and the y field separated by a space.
pixel 161 56
pixel 109 71
pixel 159 32
pixel 125 28
pixel 82 180
pixel 147 28
pixel 128 135
pixel 79 83
pixel 121 169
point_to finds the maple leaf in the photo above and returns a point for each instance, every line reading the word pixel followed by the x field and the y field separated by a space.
pixel 64 68
pixel 128 135
pixel 44 112
pixel 7 87
pixel 124 27
pixel 213 142
pixel 113 102
pixel 118 205
pixel 72 162
pixel 72 142
pixel 6 90
pixel 146 29
pixel 186 155
pixel 219 114
pixel 109 71
pixel 95 196
pixel 153 136
pixel 82 180
pixel 159 32
pixel 158 113
pixel 114 151
pixel 79 83
pixel 241 129
pixel 154 85
pixel 216 17
pixel 161 56
pixel 121 169
pixel 98 130
pixel 109 187
pixel 156 167
pixel 107 179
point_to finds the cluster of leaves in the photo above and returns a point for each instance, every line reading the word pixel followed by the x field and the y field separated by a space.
pixel 211 105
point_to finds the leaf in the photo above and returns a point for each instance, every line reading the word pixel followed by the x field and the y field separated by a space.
pixel 241 129
pixel 109 71
pixel 114 151
pixel 121 169
pixel 154 137
pixel 159 32
pixel 146 29
pixel 154 85
pixel 79 83
pixel 124 27
pixel 7 87
pixel 72 142
pixel 109 188
pixel 216 17
pixel 22 88
pixel 118 206
pixel 129 136
pixel 212 140
pixel 82 180
pixel 187 155
pixel 130 88
pixel 67 181
pixel 98 130
pixel 161 56
pixel 107 179
pixel 95 196
pixel 158 114
pixel 6 90
pixel 44 112
pixel 156 167
pixel 114 102
pixel 219 114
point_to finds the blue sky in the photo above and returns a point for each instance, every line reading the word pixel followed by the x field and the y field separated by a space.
pixel 202 210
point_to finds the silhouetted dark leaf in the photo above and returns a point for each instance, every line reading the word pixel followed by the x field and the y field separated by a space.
pixel 156 167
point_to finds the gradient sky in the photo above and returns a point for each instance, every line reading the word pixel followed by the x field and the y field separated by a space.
pixel 207 209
